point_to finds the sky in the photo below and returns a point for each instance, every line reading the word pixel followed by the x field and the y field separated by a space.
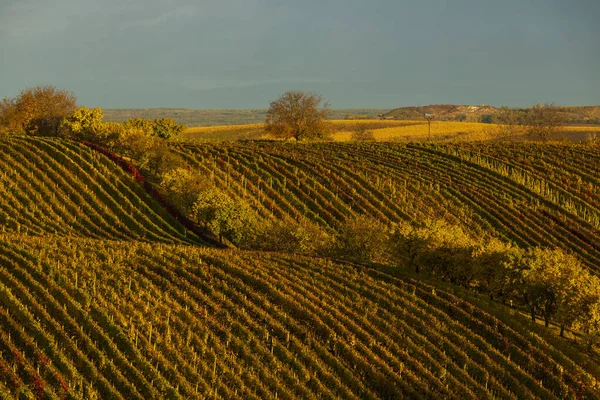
pixel 355 53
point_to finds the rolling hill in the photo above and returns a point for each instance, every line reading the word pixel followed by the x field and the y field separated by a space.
pixel 530 194
pixel 56 187
pixel 85 318
pixel 104 294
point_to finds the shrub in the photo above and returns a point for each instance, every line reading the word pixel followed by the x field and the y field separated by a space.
pixel 407 243
pixel 447 253
pixel 302 237
pixel 164 128
pixel 228 219
pixel 182 187
pixel 86 123
pixel 363 239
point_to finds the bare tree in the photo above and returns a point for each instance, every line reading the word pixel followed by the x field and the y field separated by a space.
pixel 544 120
pixel 299 115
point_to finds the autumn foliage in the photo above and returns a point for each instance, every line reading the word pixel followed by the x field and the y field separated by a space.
pixel 39 110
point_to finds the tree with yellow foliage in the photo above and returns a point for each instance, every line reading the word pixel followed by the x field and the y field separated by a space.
pixel 589 324
pixel 448 253
pixel 85 123
pixel 553 280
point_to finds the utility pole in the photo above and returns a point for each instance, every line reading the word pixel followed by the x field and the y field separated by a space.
pixel 429 117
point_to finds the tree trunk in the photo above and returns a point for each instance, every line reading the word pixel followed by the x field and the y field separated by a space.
pixel 562 330
pixel 532 313
pixel 548 311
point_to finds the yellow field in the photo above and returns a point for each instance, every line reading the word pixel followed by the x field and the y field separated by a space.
pixel 582 128
pixel 223 128
pixel 386 130
pixel 352 125
pixel 419 130
pixel 256 131
pixel 227 132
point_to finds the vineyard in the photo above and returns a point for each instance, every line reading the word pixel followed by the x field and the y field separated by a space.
pixel 105 294
pixel 83 318
pixel 53 187
pixel 532 195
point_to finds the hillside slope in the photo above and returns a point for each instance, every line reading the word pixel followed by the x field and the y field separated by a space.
pixel 100 319
pixel 440 111
pixel 53 186
pixel 104 295
pixel 531 194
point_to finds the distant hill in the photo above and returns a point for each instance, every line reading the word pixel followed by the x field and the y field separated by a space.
pixel 443 112
pixel 485 113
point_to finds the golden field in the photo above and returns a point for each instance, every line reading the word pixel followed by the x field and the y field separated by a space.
pixel 419 130
pixel 388 130
pixel 225 132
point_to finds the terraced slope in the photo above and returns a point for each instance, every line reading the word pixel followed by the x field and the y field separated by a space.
pixel 533 195
pixel 84 318
pixel 56 187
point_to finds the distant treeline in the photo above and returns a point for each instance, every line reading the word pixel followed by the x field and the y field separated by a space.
pixel 221 117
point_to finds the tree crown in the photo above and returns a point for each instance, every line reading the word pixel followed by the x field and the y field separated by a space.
pixel 299 115
pixel 37 110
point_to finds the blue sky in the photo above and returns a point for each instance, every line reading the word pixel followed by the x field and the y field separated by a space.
pixel 356 53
